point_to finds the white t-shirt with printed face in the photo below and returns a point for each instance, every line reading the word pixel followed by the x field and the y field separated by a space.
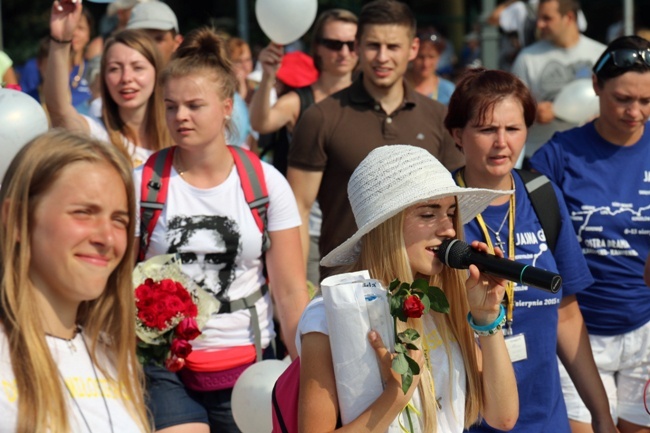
pixel 75 368
pixel 219 243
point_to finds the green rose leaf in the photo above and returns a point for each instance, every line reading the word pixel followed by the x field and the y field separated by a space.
pixel 407 380
pixel 420 284
pixel 438 300
pixel 400 364
pixel 413 366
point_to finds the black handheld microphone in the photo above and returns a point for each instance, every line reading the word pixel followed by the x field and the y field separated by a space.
pixel 459 255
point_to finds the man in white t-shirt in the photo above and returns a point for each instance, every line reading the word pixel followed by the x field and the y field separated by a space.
pixel 562 55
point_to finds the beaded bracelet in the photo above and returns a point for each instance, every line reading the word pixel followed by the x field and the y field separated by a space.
pixel 59 41
pixel 492 328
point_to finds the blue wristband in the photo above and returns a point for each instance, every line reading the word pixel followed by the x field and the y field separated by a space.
pixel 492 328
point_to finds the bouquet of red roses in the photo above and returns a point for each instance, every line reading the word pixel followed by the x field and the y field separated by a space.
pixel 411 300
pixel 170 310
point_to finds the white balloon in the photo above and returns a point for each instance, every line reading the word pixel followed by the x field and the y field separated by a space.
pixel 251 396
pixel 285 21
pixel 577 102
pixel 21 119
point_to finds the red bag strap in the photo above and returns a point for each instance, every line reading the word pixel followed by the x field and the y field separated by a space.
pixel 251 175
pixel 154 187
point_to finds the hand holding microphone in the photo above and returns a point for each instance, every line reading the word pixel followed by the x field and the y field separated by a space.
pixel 459 255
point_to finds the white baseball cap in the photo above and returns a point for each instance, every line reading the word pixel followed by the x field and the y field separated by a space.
pixel 154 15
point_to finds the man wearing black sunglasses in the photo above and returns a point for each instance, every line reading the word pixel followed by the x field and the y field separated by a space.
pixel 379 108
pixel 561 56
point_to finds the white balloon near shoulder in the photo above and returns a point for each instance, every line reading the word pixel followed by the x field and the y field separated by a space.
pixel 285 21
pixel 577 102
pixel 21 120
pixel 252 392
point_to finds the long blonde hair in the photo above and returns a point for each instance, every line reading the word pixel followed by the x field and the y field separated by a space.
pixel 157 132
pixel 108 321
pixel 383 254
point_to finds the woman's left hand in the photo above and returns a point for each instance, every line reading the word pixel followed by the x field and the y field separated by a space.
pixel 484 292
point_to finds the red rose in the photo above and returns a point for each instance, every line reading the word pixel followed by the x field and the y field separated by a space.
pixel 413 307
pixel 174 363
pixel 181 348
pixel 167 285
pixel 188 329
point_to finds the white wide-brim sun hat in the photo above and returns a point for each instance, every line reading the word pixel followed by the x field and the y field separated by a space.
pixel 394 177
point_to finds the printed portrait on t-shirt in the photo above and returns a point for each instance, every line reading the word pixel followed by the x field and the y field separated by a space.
pixel 207 246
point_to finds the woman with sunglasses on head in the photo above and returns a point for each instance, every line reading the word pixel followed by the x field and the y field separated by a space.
pixel 603 170
pixel 423 73
pixel 489 116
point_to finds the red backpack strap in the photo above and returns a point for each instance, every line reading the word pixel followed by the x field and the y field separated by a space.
pixel 153 193
pixel 251 175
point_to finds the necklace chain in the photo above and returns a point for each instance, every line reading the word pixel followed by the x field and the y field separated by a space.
pixel 99 385
pixel 497 233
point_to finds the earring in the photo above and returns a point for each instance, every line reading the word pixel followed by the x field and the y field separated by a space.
pixel 227 117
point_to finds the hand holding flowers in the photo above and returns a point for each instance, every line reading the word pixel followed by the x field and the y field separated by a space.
pixel 411 301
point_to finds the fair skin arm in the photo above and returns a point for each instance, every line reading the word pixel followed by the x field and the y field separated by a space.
pixel 64 19
pixel 484 293
pixel 287 282
pixel 318 407
pixel 493 19
pixel 545 113
pixel 305 186
pixel 264 118
pixel 574 350
pixel 10 77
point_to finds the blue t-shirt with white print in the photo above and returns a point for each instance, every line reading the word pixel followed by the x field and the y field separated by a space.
pixel 607 191
pixel 535 317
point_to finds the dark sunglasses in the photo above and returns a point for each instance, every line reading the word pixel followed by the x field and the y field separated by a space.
pixel 624 58
pixel 335 44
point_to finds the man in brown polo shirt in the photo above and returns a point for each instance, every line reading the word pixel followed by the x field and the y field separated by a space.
pixel 379 108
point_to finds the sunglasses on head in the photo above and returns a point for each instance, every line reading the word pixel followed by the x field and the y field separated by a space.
pixel 335 44
pixel 624 58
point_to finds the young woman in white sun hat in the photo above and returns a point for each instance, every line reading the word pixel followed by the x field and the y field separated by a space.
pixel 406 204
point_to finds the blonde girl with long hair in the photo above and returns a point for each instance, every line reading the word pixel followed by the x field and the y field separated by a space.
pixel 67 331
pixel 406 204
pixel 133 116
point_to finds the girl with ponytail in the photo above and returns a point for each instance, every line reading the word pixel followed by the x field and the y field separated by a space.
pixel 208 223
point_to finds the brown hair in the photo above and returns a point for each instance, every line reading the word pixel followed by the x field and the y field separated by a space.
pixel 204 51
pixel 566 6
pixel 157 133
pixel 328 16
pixel 235 47
pixel 478 90
pixel 386 12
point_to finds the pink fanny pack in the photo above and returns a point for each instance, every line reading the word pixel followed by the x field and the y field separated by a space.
pixel 216 370
pixel 214 380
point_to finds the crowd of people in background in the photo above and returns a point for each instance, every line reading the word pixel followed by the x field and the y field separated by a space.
pixel 370 149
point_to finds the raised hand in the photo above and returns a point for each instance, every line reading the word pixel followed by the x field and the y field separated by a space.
pixel 270 59
pixel 64 19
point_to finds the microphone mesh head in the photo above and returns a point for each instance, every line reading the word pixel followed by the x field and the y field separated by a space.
pixel 453 253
